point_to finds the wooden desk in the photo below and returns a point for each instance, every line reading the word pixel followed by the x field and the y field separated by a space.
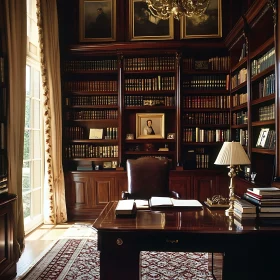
pixel 251 253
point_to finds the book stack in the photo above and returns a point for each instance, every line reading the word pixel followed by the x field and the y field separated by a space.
pixel 244 210
pixel 267 201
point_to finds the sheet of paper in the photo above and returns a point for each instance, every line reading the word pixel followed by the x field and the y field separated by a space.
pixel 160 201
pixel 186 202
pixel 142 204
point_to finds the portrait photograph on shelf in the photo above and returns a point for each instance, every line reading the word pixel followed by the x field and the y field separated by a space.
pixel 208 25
pixel 150 126
pixel 143 25
pixel 97 20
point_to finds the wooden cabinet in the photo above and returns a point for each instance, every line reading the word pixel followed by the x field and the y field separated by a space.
pixel 7 263
pixel 191 184
pixel 88 192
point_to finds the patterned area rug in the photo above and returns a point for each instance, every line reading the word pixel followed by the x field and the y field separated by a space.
pixel 75 256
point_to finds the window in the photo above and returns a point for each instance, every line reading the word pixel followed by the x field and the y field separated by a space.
pixel 33 169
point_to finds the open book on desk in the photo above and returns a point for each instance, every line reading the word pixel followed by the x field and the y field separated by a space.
pixel 159 201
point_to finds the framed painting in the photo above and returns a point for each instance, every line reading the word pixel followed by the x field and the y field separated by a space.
pixel 150 126
pixel 97 22
pixel 143 25
pixel 209 25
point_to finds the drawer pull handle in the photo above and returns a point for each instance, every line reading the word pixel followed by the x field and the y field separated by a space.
pixel 172 241
pixel 119 242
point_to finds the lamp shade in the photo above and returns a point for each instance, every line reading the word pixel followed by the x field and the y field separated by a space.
pixel 232 153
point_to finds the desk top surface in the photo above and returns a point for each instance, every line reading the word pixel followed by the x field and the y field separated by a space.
pixel 180 220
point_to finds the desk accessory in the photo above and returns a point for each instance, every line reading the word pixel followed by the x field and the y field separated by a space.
pixel 233 155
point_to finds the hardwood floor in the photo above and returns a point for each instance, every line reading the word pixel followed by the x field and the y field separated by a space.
pixel 37 242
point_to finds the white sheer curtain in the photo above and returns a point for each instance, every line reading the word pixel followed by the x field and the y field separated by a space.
pixel 16 41
pixel 55 205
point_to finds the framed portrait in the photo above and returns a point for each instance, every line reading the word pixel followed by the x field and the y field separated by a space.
pixel 143 25
pixel 209 25
pixel 97 20
pixel 261 143
pixel 150 126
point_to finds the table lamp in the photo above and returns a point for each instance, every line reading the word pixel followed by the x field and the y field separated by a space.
pixel 233 155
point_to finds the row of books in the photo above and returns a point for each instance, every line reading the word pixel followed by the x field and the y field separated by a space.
pixel 91 86
pixel 206 82
pixel 90 151
pixel 214 63
pixel 262 63
pixel 206 118
pixel 92 115
pixel 241 136
pixel 3 101
pixel 2 70
pixel 205 135
pixel 147 84
pixel 239 99
pixel 77 132
pixel 240 118
pixel 267 86
pixel 149 63
pixel 239 78
pixel 3 165
pixel 267 112
pixel 91 100
pixel 90 65
pixel 149 100
pixel 207 101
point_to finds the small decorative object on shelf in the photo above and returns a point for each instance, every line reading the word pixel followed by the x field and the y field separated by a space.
pixel 253 177
pixel 129 136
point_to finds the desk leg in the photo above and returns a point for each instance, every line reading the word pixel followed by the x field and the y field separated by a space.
pixel 121 264
pixel 236 265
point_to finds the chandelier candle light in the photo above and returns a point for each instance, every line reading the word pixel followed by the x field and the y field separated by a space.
pixel 233 155
pixel 163 9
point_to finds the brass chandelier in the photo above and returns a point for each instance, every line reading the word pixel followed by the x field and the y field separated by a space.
pixel 164 9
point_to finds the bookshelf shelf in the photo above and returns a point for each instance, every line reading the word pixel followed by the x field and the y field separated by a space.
pixel 263 123
pixel 258 101
pixel 263 151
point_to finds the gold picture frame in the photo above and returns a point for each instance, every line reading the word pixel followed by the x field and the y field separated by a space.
pixel 97 21
pixel 144 26
pixel 150 126
pixel 208 25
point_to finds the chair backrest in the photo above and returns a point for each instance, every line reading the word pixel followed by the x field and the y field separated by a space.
pixel 147 177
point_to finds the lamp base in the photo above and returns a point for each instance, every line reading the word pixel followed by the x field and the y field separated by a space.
pixel 229 212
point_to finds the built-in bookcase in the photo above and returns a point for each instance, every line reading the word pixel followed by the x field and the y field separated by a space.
pixel 150 92
pixel 91 112
pixel 3 116
pixel 205 109
pixel 253 89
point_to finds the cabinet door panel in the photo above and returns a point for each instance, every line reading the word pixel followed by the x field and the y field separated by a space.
pixel 182 185
pixel 204 187
pixel 80 192
pixel 102 187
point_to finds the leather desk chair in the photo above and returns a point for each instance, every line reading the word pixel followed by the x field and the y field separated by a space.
pixel 147 177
